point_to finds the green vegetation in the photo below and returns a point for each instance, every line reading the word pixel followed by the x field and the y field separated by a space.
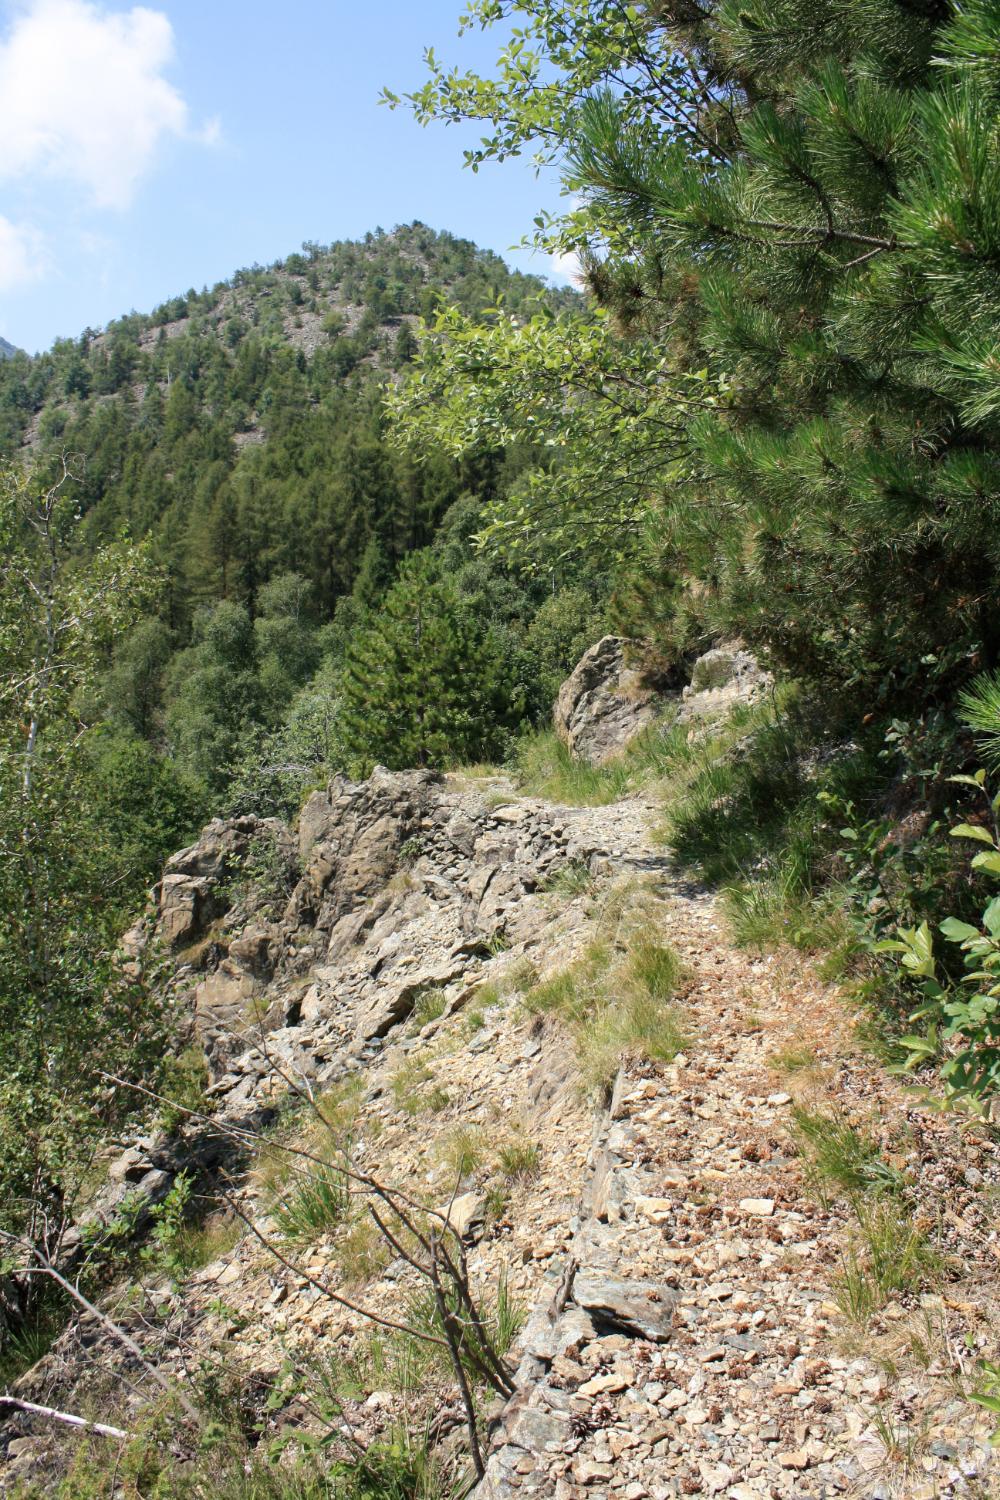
pixel 315 1202
pixel 775 417
pixel 75 852
pixel 399 1466
pixel 888 1255
pixel 462 1151
pixel 520 1160
pixel 212 558
pixel 547 769
pixel 790 227
pixel 616 1000
pixel 839 1158
pixel 414 1089
pixel 369 505
pixel 406 1362
pixel 428 1006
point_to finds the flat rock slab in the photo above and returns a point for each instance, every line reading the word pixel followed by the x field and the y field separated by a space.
pixel 643 1308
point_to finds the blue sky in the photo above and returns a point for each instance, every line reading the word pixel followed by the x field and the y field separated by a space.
pixel 147 149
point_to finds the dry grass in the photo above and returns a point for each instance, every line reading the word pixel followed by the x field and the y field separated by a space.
pixel 617 1001
pixel 461 1150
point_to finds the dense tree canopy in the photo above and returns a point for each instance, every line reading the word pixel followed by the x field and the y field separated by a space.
pixel 797 208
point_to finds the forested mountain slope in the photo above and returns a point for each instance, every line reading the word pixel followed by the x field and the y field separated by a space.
pixel 240 427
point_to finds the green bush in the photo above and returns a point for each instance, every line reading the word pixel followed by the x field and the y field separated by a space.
pixel 960 1022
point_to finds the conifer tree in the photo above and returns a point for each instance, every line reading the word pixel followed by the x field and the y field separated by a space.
pixel 424 682
pixel 797 203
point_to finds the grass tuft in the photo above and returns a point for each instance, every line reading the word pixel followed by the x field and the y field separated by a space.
pixel 616 1004
pixel 461 1151
pixel 314 1205
pixel 428 1006
pixel 840 1158
pixel 360 1252
pixel 888 1255
pixel 520 1160
pixel 546 769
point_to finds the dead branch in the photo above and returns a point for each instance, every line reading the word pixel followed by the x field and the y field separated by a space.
pixel 46 1268
pixel 63 1416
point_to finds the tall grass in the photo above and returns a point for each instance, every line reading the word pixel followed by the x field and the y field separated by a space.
pixel 316 1203
pixel 23 1346
pixel 408 1363
pixel 840 1158
pixel 888 1255
pixel 546 769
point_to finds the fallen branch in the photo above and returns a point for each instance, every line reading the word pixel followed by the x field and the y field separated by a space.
pixel 46 1268
pixel 64 1416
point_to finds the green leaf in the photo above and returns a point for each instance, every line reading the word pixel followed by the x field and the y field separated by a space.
pixel 972 831
pixel 988 861
pixel 958 932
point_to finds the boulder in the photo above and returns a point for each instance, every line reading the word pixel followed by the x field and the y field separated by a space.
pixel 350 838
pixel 467 1215
pixel 193 892
pixel 220 846
pixel 720 679
pixel 604 703
pixel 223 1010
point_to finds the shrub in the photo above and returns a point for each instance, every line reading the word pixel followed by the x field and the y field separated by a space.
pixel 960 1023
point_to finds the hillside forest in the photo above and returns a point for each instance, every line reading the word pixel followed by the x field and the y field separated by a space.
pixel 369 505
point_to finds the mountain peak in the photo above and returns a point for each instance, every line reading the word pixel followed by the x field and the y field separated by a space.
pixel 7 351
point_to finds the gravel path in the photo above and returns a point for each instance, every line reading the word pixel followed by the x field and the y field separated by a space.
pixel 697 1217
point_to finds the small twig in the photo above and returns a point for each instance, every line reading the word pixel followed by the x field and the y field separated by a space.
pixel 64 1416
pixel 455 1351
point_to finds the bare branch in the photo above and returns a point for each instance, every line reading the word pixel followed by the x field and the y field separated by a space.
pixel 64 1416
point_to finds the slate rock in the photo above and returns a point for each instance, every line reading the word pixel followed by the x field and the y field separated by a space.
pixel 643 1308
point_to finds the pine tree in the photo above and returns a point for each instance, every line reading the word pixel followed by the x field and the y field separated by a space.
pixel 424 683
pixel 798 205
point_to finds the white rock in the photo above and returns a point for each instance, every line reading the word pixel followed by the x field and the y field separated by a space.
pixel 760 1208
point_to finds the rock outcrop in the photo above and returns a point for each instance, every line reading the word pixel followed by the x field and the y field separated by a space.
pixel 722 678
pixel 606 702
pixel 402 884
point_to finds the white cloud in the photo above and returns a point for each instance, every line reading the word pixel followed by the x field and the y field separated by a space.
pixel 83 96
pixel 566 266
pixel 22 254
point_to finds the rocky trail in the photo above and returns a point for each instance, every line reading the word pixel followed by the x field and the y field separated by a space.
pixel 678 1271
pixel 699 1231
